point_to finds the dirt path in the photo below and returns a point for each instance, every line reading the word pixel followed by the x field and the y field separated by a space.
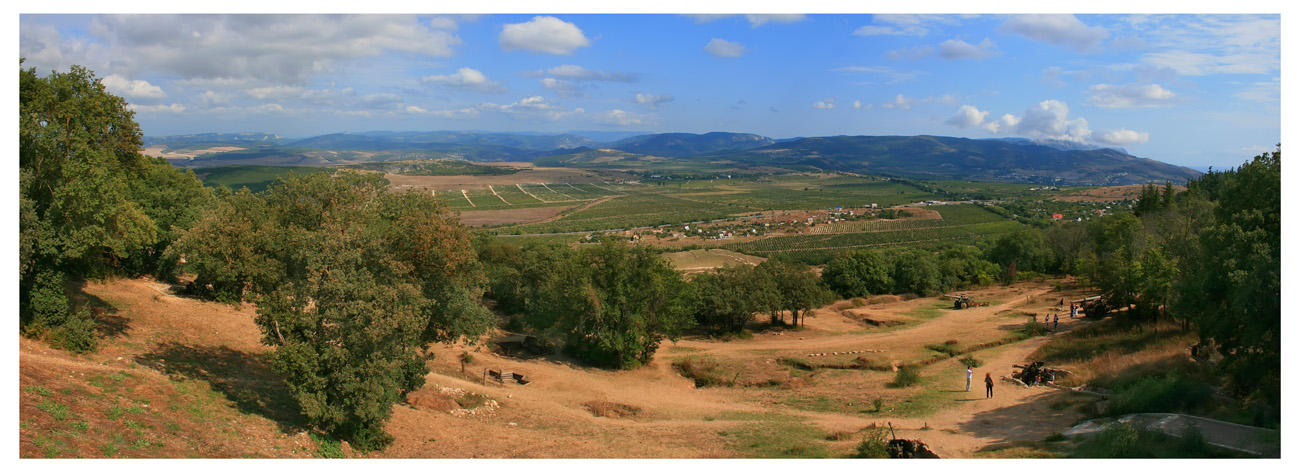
pixel 180 351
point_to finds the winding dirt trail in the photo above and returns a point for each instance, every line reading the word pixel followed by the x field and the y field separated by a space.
pixel 180 350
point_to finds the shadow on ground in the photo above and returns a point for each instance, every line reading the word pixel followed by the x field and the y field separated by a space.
pixel 245 379
pixel 1029 421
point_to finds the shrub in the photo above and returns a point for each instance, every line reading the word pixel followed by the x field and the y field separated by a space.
pixel 77 333
pixel 971 362
pixel 907 376
pixel 704 371
pixel 948 349
pixel 1170 394
pixel 874 445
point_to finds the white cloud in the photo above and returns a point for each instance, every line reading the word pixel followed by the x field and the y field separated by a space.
pixel 274 92
pixel 173 108
pixel 722 48
pixel 903 25
pixel 532 106
pixel 543 34
pixel 122 86
pixel 1056 29
pixel 286 49
pixel 958 49
pixel 968 116
pixel 467 79
pixel 619 117
pixel 900 102
pixel 1213 44
pixel 1122 137
pixel 1050 119
pixel 652 100
pixel 707 18
pixel 1262 92
pixel 894 76
pixel 1130 96
pixel 912 53
pixel 827 104
pixel 572 72
pixel 565 88
pixel 760 20
pixel 858 105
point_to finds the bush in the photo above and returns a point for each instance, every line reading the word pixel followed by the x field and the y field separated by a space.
pixel 907 376
pixel 971 362
pixel 77 333
pixel 948 349
pixel 1170 394
pixel 874 445
pixel 704 371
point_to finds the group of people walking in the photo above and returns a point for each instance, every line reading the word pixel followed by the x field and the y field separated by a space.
pixel 988 382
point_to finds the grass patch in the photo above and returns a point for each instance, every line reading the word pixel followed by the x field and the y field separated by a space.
pixel 706 371
pixel 777 436
pixel 907 376
pixel 58 410
pixel 39 390
pixel 327 447
pixel 931 311
pixel 971 362
pixel 1125 441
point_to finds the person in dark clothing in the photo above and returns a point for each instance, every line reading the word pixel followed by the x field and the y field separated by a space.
pixel 988 385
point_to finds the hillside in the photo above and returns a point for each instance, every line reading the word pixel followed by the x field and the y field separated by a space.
pixel 921 157
pixel 177 377
pixel 938 157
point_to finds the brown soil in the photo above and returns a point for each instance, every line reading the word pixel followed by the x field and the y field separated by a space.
pixel 1110 194
pixel 190 379
pixel 526 176
pixel 513 215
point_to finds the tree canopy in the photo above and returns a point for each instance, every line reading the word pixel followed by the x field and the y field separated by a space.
pixel 350 281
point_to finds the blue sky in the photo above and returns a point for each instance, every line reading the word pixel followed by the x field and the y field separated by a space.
pixel 1195 90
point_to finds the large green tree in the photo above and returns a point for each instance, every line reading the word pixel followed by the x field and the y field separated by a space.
pixel 351 282
pixel 629 300
pixel 90 205
pixel 1231 284
pixel 859 273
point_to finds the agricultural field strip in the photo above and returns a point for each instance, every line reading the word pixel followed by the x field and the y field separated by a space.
pixel 575 188
pixel 494 192
pixel 466 194
pixel 556 191
pixel 521 189
pixel 799 242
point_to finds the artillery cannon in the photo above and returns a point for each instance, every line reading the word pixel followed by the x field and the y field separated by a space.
pixel 1035 373
pixel 962 301
pixel 1092 307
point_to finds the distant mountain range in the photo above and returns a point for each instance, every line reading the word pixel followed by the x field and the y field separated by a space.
pixel 924 157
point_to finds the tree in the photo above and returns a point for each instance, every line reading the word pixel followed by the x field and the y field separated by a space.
pixel 351 283
pixel 799 291
pixel 859 273
pixel 78 153
pixel 1231 285
pixel 1026 249
pixel 915 271
pixel 728 298
pixel 630 299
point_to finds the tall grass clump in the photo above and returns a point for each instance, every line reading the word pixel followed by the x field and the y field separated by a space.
pixel 1173 393
pixel 907 376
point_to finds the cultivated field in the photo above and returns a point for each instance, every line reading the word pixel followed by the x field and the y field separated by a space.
pixel 178 377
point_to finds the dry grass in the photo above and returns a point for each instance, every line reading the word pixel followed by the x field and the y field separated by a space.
pixel 610 409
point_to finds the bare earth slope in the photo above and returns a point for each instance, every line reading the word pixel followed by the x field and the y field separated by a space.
pixel 177 377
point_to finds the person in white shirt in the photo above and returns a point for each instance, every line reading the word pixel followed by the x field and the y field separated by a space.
pixel 969 374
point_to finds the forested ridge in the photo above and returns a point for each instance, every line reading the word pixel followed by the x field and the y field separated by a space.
pixel 353 282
